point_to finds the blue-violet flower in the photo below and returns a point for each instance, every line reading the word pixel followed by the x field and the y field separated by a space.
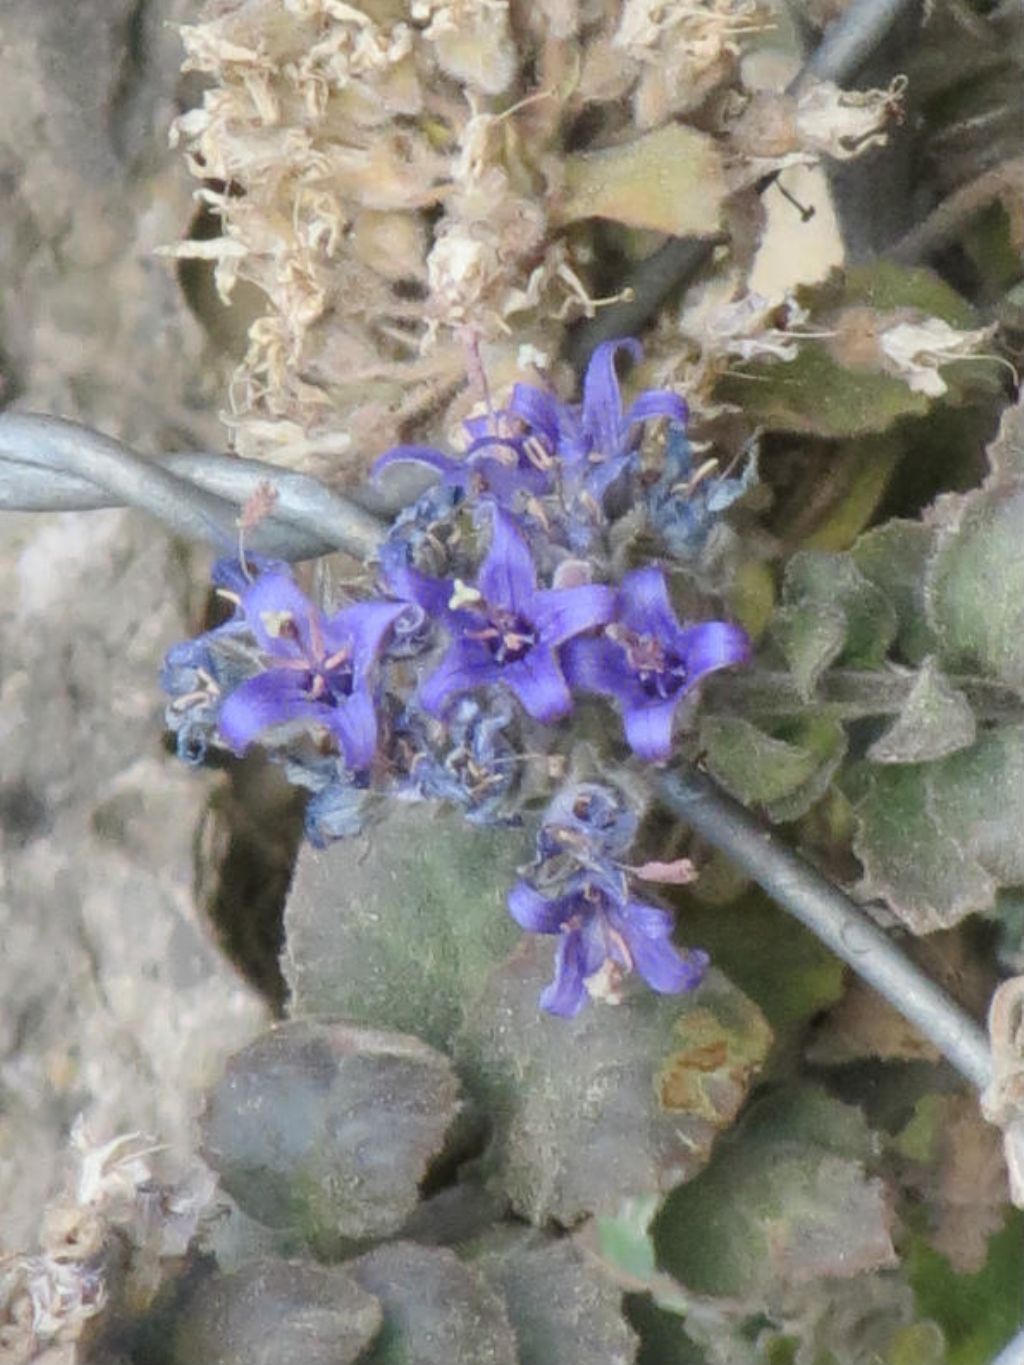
pixel 604 935
pixel 595 439
pixel 648 662
pixel 319 669
pixel 504 629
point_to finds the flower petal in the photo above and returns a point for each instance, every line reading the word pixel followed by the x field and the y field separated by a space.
pixel 453 471
pixel 664 967
pixel 465 666
pixel 656 403
pixel 362 629
pixel 602 401
pixel 507 576
pixel 645 606
pixel 267 699
pixel 649 730
pixel 567 994
pixel 230 573
pixel 599 665
pixel 560 613
pixel 409 585
pixel 649 920
pixel 281 616
pixel 540 685
pixel 543 412
pixel 713 645
pixel 353 722
pixel 534 912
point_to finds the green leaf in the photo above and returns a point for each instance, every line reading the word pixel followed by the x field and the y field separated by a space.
pixel 767 953
pixel 399 929
pixel 290 1312
pixel 978 1313
pixel 669 180
pixel 894 557
pixel 750 764
pixel 784 1201
pixel 979 794
pixel 936 721
pixel 817 394
pixel 975 585
pixel 813 394
pixel 811 636
pixel 329 1129
pixel 563 1309
pixel 785 774
pixel 437 1310
pixel 911 860
pixel 816 581
pixel 621 1101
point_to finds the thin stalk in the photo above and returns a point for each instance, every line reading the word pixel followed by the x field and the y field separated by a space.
pixel 830 914
pixel 851 694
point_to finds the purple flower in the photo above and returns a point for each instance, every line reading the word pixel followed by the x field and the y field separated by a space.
pixel 648 662
pixel 595 439
pixel 318 668
pixel 502 460
pixel 604 936
pixel 505 629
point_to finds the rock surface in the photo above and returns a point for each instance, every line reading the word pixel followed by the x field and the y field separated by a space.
pixel 114 1001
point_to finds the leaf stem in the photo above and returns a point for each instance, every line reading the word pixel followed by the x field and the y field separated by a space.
pixel 828 912
pixel 852 694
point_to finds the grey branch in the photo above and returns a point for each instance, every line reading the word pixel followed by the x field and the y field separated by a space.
pixel 50 464
pixel 837 920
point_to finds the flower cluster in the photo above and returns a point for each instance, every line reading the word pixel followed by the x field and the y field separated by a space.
pixel 497 603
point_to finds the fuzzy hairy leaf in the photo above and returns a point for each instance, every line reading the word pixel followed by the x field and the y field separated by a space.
pixel 437 1310
pixel 936 721
pixel 836 394
pixel 328 1129
pixel 936 840
pixel 784 774
pixel 669 180
pixel 785 1201
pixel 619 1101
pixel 398 930
pixel 894 558
pixel 563 1308
pixel 276 1312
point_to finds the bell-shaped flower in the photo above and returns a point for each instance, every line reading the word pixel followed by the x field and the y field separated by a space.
pixel 595 439
pixel 504 629
pixel 603 937
pixel 318 669
pixel 647 662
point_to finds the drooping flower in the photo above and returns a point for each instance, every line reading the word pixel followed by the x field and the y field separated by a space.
pixel 595 439
pixel 501 461
pixel 318 669
pixel 647 662
pixel 604 935
pixel 504 629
